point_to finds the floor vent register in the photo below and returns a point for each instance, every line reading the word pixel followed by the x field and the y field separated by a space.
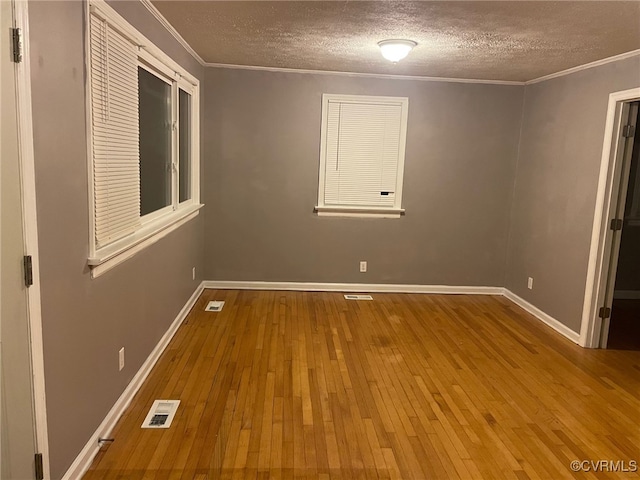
pixel 358 297
pixel 161 414
pixel 214 306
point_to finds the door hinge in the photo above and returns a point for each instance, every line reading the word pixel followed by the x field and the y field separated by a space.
pixel 39 467
pixel 28 270
pixel 604 312
pixel 628 131
pixel 616 224
pixel 16 44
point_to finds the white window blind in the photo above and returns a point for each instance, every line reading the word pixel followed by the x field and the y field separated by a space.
pixel 363 147
pixel 114 122
pixel 362 151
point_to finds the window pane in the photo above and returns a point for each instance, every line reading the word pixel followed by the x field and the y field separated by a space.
pixel 185 146
pixel 155 142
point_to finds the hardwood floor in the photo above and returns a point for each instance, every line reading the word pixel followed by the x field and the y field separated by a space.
pixel 309 385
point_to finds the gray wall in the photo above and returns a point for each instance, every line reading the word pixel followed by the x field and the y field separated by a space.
pixel 85 321
pixel 555 187
pixel 260 183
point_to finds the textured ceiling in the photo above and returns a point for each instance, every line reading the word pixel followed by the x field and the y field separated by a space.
pixel 501 40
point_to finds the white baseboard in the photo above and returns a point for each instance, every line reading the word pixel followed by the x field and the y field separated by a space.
pixel 398 288
pixel 627 294
pixel 84 459
pixel 540 315
pixel 352 287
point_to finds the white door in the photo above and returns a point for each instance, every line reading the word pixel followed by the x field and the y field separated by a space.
pixel 17 431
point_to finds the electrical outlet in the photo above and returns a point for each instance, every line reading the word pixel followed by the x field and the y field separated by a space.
pixel 193 273
pixel 530 283
pixel 363 267
pixel 121 359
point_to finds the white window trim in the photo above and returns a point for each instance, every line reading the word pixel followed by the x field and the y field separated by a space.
pixel 117 252
pixel 155 225
pixel 356 211
pixel 372 212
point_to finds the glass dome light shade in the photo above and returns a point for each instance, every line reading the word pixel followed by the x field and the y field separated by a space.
pixel 396 50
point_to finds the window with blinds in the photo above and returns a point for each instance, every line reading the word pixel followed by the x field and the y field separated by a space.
pixel 115 137
pixel 143 113
pixel 362 155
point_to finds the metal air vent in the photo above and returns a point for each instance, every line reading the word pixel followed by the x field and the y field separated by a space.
pixel 161 414
pixel 214 306
pixel 358 297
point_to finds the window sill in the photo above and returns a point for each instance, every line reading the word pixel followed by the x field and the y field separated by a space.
pixel 367 212
pixel 107 258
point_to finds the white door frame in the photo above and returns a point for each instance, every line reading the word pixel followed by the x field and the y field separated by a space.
pixel 30 226
pixel 590 329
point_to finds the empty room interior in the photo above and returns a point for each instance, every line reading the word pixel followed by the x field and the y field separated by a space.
pixel 320 240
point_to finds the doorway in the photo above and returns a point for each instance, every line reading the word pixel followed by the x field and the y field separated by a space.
pixel 617 206
pixel 624 324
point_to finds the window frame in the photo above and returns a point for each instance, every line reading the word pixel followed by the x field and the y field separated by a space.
pixel 396 210
pixel 162 76
pixel 154 225
pixel 189 90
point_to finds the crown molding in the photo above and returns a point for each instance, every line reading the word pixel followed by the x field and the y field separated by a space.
pixel 586 66
pixel 171 29
pixel 382 76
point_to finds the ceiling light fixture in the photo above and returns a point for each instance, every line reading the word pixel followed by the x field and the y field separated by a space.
pixel 396 50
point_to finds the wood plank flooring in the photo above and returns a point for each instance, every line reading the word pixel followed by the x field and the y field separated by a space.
pixel 309 385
